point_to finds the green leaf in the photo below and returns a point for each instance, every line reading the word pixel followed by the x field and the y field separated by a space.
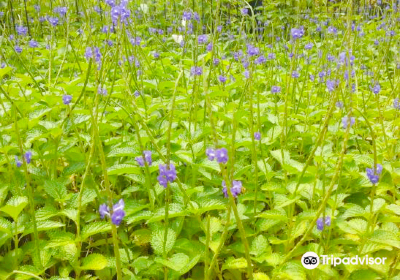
pixel 233 263
pixel 94 262
pixel 120 169
pixel 55 189
pixel 14 206
pixel 94 228
pixel 157 241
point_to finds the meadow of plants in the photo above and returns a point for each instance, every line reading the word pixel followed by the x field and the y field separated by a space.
pixel 198 139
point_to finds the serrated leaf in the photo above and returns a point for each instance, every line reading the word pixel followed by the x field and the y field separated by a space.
pixel 14 206
pixel 55 189
pixel 94 262
pixel 232 263
pixel 157 241
pixel 94 228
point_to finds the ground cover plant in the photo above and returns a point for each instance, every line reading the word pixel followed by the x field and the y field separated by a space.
pixel 198 139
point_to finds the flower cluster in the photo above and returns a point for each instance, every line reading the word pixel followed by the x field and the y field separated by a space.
pixel 27 156
pixel 236 188
pixel 147 158
pixel 321 223
pixel 372 175
pixel 117 214
pixel 220 154
pixel 166 175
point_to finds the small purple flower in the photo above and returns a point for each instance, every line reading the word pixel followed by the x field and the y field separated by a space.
pixel 396 103
pixel 330 84
pixel 196 71
pixel 210 152
pixel 118 212
pixel 53 20
pixel 33 44
pixel 275 89
pixel 339 104
pixel 202 39
pixel 346 121
pixel 321 223
pixel 257 135
pixel 28 157
pixel 166 175
pixel 88 53
pixel 236 188
pixel 137 93
pixel 209 47
pixel 104 210
pixel 216 61
pixel 18 49
pixel 332 30
pixel 102 91
pixel 21 30
pixel 296 33
pixel 246 74
pixel 156 55
pixel 18 163
pixel 222 79
pixel 260 60
pixel 221 155
pixel 373 175
pixel 245 11
pixel 187 15
pixel 309 46
pixel 147 158
pixel 295 74
pixel 376 89
pixel 67 99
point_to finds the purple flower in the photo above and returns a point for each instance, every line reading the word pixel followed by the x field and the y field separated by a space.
pixel 219 28
pixel 222 79
pixel 33 44
pixel 295 74
pixel 246 74
pixel 28 157
pixel 88 53
pixel 210 152
pixel 271 56
pixel 260 60
pixel 21 30
pixel 221 155
pixel 346 121
pixel 396 103
pixel 111 3
pixel 202 39
pixel 196 71
pixel 296 33
pixel 104 210
pixel 275 89
pixel 18 163
pixel 166 175
pixel 257 135
pixel 209 47
pixel 252 51
pixel 137 93
pixel 53 20
pixel 156 55
pixel 321 223
pixel 102 91
pixel 147 158
pixel 67 99
pixel 373 175
pixel 339 104
pixel 18 49
pixel 118 212
pixel 332 30
pixel 330 84
pixel 216 61
pixel 236 188
pixel 187 15
pixel 309 46
pixel 245 11
pixel 376 89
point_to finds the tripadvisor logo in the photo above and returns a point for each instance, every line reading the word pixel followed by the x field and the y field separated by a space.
pixel 311 260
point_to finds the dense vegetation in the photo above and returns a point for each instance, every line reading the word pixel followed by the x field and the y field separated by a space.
pixel 198 139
